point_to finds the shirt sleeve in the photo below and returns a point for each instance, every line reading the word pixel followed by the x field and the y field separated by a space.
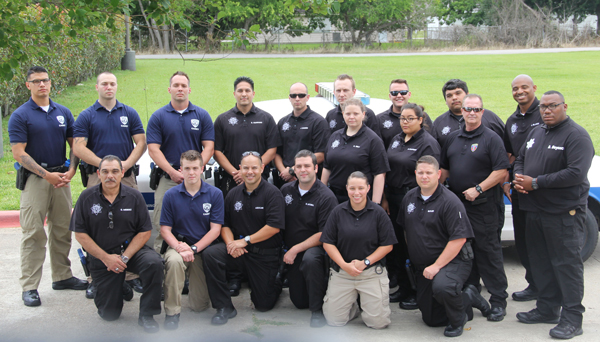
pixel 167 212
pixel 330 231
pixel 321 134
pixel 275 209
pixel 135 124
pixel 378 158
pixel 144 221
pixel 70 122
pixel 329 202
pixel 432 149
pixel 17 128
pixel 218 127
pixel 506 139
pixel 497 154
pixel 77 223
pixel 457 223
pixel 208 129
pixel 372 122
pixel 217 211
pixel 153 131
pixel 81 129
pixel 385 229
pixel 272 139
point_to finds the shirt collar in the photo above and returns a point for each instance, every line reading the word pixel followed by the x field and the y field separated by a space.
pixel 534 108
pixel 369 207
pixel 203 189
pixel 305 114
pixel 251 111
pixel 256 191
pixel 560 124
pixel 34 105
pixel 190 108
pixel 392 113
pixel 119 195
pixel 97 105
pixel 477 131
pixel 433 196
pixel 415 137
pixel 362 129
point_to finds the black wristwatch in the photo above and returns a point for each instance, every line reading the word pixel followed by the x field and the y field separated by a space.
pixel 479 189
pixel 534 184
pixel 194 249
pixel 367 262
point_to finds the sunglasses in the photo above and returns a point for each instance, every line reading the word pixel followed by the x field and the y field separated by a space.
pixel 111 224
pixel 401 92
pixel 472 109
pixel 293 96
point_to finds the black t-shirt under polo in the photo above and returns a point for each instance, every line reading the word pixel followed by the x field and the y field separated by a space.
pixel 306 215
pixel 519 125
pixel 390 126
pixel 448 123
pixel 309 131
pixel 245 214
pixel 403 157
pixel 130 216
pixel 357 234
pixel 472 156
pixel 335 120
pixel 430 224
pixel 363 152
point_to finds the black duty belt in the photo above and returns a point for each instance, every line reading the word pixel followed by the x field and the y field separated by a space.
pixel 337 268
pixel 263 251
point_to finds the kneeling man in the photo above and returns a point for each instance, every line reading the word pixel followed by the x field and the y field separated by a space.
pixel 190 221
pixel 112 223
pixel 437 230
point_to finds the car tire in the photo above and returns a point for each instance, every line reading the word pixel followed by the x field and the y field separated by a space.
pixel 590 237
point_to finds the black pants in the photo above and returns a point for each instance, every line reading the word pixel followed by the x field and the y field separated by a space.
pixel 261 271
pixel 554 244
pixel 441 300
pixel 307 278
pixel 489 263
pixel 396 260
pixel 520 226
pixel 109 296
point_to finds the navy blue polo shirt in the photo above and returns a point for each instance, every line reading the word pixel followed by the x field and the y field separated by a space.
pixel 357 234
pixel 245 214
pixel 177 133
pixel 389 125
pixel 335 120
pixel 236 133
pixel 518 126
pixel 91 216
pixel 109 132
pixel 403 157
pixel 45 133
pixel 472 156
pixel 430 224
pixel 363 152
pixel 189 215
pixel 306 215
pixel 448 123
pixel 306 132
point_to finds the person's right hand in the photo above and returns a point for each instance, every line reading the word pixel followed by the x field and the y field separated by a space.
pixel 114 263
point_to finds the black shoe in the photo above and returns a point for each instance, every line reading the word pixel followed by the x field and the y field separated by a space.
pixel 565 331
pixel 317 319
pixel 477 301
pixel 397 296
pixel 452 331
pixel 71 283
pixel 526 295
pixel 31 298
pixel 535 316
pixel 90 293
pixel 149 324
pixel 127 292
pixel 234 287
pixel 172 322
pixel 223 315
pixel 409 303
pixel 186 287
pixel 496 314
pixel 136 285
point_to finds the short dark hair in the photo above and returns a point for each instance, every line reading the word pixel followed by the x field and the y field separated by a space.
pixel 453 84
pixel 243 79
pixel 343 77
pixel 35 70
pixel 358 174
pixel 179 73
pixel 191 155
pixel 399 81
pixel 554 92
pixel 354 102
pixel 104 73
pixel 251 153
pixel 109 158
pixel 306 153
pixel 428 160
pixel 473 96
pixel 419 112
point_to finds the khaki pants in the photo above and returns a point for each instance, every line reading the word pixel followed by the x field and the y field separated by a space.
pixel 339 304
pixel 175 269
pixel 164 185
pixel 129 181
pixel 38 199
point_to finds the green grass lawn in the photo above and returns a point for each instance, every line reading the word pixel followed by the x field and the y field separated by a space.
pixel 573 74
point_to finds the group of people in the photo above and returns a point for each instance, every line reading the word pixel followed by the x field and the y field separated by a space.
pixel 361 203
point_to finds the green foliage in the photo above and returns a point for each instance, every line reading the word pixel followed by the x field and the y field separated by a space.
pixel 470 12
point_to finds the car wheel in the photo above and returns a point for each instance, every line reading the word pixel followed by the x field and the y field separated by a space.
pixel 590 237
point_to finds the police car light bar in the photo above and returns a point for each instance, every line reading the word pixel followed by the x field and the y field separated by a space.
pixel 325 89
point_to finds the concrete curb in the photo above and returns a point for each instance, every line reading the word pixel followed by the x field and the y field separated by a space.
pixel 9 219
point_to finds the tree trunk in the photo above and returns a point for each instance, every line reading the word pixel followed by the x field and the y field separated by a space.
pixel 172 32
pixel 165 34
pixel 598 19
pixel 147 24
pixel 157 34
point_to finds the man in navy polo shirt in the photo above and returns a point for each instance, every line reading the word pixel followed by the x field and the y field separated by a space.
pixel 344 88
pixel 303 129
pixel 244 127
pixel 308 203
pixel 109 127
pixel 39 131
pixel 173 129
pixel 190 222
pixel 474 161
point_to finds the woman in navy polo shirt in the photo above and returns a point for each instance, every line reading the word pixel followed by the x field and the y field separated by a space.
pixel 403 152
pixel 355 148
pixel 357 236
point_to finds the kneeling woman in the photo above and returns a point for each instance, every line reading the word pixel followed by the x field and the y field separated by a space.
pixel 357 237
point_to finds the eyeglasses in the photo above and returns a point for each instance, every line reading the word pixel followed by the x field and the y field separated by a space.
pixel 409 119
pixel 37 82
pixel 472 109
pixel 111 224
pixel 551 107
pixel 293 96
pixel 401 92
